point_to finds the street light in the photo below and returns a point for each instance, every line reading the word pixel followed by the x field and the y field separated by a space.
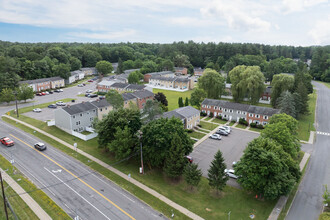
pixel 140 138
pixel 229 215
pixel 15 92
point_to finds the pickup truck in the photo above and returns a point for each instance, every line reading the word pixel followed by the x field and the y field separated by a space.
pixel 6 141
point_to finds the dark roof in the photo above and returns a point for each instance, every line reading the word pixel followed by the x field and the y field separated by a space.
pixel 170 79
pixel 41 80
pixel 243 107
pixel 183 112
pixel 79 108
pixel 135 87
pixel 160 73
pixel 76 72
pixel 142 94
pixel 128 96
pixel 129 71
pixel 172 114
pixel 100 103
pixel 119 85
pixel 181 79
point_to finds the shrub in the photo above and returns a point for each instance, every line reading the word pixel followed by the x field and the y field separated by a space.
pixel 199 125
pixel 253 125
pixel 189 130
pixel 242 121
pixel 211 115
pixel 233 121
pixel 219 116
pixel 203 114
pixel 260 126
pixel 101 93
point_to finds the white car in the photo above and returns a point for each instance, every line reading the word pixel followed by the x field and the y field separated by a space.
pixel 80 85
pixel 215 136
pixel 231 173
pixel 60 103
pixel 37 110
pixel 61 90
pixel 89 91
pixel 47 93
pixel 226 128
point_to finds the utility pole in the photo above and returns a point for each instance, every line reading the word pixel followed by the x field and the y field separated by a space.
pixel 3 195
pixel 16 103
pixel 140 137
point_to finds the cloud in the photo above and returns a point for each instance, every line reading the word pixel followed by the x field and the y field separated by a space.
pixel 239 14
pixel 290 6
pixel 118 35
pixel 321 32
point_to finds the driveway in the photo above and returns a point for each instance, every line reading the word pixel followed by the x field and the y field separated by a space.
pixel 232 148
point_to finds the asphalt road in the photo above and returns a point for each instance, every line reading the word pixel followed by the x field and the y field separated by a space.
pixel 231 146
pixel 72 185
pixel 308 201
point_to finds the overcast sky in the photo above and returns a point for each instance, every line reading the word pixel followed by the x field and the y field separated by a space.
pixel 287 22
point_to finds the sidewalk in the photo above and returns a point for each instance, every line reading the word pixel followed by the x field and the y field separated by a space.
pixel 283 199
pixel 123 175
pixel 34 206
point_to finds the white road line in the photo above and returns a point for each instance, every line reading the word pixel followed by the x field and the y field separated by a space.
pixel 77 194
pixel 323 133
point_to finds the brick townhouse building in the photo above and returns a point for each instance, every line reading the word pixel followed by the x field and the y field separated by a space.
pixel 234 111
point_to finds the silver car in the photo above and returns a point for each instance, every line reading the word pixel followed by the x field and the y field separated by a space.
pixel 215 136
pixel 231 173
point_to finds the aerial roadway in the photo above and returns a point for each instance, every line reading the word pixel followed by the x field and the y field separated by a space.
pixel 73 186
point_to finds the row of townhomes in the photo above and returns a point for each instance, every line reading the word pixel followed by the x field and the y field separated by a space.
pixel 147 76
pixel 189 116
pixel 79 117
pixel 46 83
pixel 105 86
pixel 171 83
pixel 234 111
pixel 57 82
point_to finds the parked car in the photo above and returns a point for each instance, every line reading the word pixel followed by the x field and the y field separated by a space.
pixel 90 80
pixel 89 91
pixel 60 103
pixel 52 106
pixel 189 159
pixel 92 95
pixel 215 136
pixel 80 85
pixel 40 146
pixel 51 92
pixel 231 173
pixel 227 128
pixel 39 94
pixel 73 100
pixel 7 141
pixel 47 93
pixel 61 90
pixel 43 93
pixel 83 84
pixel 101 97
pixel 37 110
pixel 57 90
pixel 87 95
pixel 95 78
pixel 222 132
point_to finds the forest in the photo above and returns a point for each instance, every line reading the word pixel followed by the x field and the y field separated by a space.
pixel 25 61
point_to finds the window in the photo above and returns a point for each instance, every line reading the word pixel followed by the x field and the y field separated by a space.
pixel 244 113
pixel 215 107
pixel 91 119
pixel 265 117
pixel 81 115
pixel 106 108
pixel 251 115
pixel 208 106
pixel 220 108
pixel 225 110
pixel 73 116
pixel 257 116
pixel 238 112
pixel 94 110
pixel 230 110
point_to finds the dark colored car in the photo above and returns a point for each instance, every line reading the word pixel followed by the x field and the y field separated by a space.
pixel 101 97
pixel 90 80
pixel 51 92
pixel 92 95
pixel 87 95
pixel 40 146
pixel 52 106
pixel 7 141
pixel 73 100
pixel 221 132
pixel 39 94
pixel 57 90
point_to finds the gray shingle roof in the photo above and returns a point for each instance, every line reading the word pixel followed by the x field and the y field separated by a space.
pixel 79 108
pixel 128 96
pixel 41 80
pixel 100 103
pixel 171 114
pixel 142 94
pixel 170 79
pixel 135 87
pixel 119 85
pixel 242 107
pixel 160 73
pixel 129 71
pixel 183 112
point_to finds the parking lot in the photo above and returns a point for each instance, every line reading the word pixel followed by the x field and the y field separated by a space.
pixel 231 146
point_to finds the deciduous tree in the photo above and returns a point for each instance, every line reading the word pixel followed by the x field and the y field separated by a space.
pixel 281 83
pixel 123 143
pixel 7 95
pixel 25 92
pixel 197 97
pixel 115 99
pixel 104 67
pixel 151 110
pixel 212 83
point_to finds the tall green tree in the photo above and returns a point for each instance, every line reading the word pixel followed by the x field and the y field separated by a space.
pixel 9 80
pixel 115 99
pixel 303 93
pixel 149 67
pixel 247 81
pixel 166 65
pixel 151 110
pixel 107 127
pixel 7 95
pixel 25 92
pixel 192 174
pixel 157 139
pixel 62 70
pixel 135 77
pixel 120 67
pixel 197 97
pixel 290 122
pixel 266 169
pixel 104 67
pixel 75 63
pixel 212 83
pixel 186 102
pixel 90 58
pixel 286 103
pixel 123 143
pixel 216 173
pixel 281 83
pixel 180 102
pixel 175 161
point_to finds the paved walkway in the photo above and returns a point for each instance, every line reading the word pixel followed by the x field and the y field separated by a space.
pixel 123 175
pixel 34 206
pixel 283 199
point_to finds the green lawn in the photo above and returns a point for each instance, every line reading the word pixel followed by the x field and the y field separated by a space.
pixel 325 216
pixel 240 126
pixel 46 203
pixel 208 125
pixel 246 102
pixel 232 123
pixel 202 202
pixel 208 119
pixel 196 134
pixel 173 96
pixel 219 121
pixel 255 129
pixel 305 123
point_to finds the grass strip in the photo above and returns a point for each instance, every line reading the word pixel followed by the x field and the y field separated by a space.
pixel 208 125
pixel 219 121
pixel 46 203
pixel 255 129
pixel 196 134
pixel 241 126
pixel 139 193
